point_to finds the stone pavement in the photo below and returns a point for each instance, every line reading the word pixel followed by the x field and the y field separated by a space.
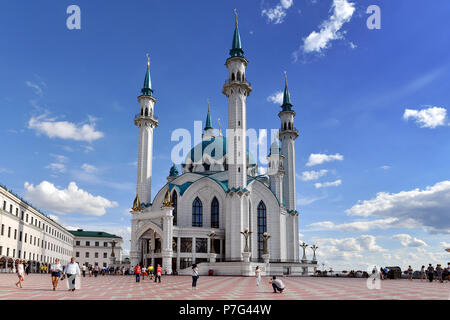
pixel 38 287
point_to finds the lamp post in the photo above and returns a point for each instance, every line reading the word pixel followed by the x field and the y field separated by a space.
pixel 112 258
pixel 212 251
pixel 246 254
pixel 304 246
pixel 314 248
pixel 266 255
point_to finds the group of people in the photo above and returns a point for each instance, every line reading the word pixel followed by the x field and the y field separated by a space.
pixel 70 271
pixel 439 274
pixel 148 271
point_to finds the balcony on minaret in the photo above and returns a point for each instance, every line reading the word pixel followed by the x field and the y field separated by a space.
pixel 149 117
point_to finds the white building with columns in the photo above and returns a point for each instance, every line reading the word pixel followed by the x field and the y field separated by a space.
pixel 200 215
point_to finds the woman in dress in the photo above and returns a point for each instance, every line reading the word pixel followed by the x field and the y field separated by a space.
pixel 258 275
pixel 55 270
pixel 423 274
pixel 195 276
pixel 20 273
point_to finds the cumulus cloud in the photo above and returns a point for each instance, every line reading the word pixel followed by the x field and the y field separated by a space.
pixel 312 175
pixel 277 14
pixel 330 29
pixel 70 200
pixel 431 117
pixel 428 208
pixel 276 98
pixel 64 129
pixel 319 158
pixel 407 241
pixel 360 244
pixel 357 226
pixel 319 185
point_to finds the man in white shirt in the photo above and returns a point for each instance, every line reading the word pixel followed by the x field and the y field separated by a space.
pixel 83 269
pixel 72 270
pixel 277 285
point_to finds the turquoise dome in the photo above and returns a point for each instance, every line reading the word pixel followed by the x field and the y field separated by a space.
pixel 217 147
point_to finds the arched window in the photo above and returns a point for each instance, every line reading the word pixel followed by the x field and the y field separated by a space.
pixel 142 112
pixel 174 201
pixel 146 112
pixel 285 126
pixel 232 77
pixel 238 76
pixel 290 126
pixel 262 227
pixel 197 213
pixel 215 213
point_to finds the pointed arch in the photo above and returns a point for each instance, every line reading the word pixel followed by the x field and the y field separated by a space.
pixel 238 78
pixel 261 226
pixel 215 213
pixel 232 77
pixel 175 207
pixel 197 213
pixel 146 112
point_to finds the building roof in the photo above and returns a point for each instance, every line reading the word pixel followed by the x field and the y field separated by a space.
pixel 147 89
pixel 287 105
pixel 236 46
pixel 92 234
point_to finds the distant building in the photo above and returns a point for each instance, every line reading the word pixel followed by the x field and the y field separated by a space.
pixel 95 247
pixel 28 234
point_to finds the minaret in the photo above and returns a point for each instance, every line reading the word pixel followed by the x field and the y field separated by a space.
pixel 146 122
pixel 288 134
pixel 276 171
pixel 237 89
pixel 208 130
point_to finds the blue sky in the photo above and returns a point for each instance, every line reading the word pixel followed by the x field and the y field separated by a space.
pixel 372 102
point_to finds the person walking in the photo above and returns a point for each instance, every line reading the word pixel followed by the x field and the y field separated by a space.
pixel 158 273
pixel 41 268
pixel 45 269
pixel 20 273
pixel 72 270
pixel 258 275
pixel 439 273
pixel 96 270
pixel 277 285
pixel 410 273
pixel 195 276
pixel 137 272
pixel 423 274
pixel 83 270
pixel 430 271
pixel 55 270
pixel 28 268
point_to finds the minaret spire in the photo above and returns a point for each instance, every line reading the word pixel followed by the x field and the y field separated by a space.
pixel 208 119
pixel 287 105
pixel 236 47
pixel 147 89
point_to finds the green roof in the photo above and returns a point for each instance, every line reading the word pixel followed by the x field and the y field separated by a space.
pixel 287 105
pixel 92 234
pixel 147 89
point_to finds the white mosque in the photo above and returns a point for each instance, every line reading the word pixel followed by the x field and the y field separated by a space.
pixel 219 213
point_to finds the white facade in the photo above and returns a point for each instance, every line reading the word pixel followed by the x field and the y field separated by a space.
pixel 219 191
pixel 95 248
pixel 30 235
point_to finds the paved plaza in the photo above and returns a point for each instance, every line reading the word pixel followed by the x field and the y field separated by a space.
pixel 38 287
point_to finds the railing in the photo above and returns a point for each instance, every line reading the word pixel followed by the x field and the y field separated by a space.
pixel 138 115
pixel 291 129
pixel 229 81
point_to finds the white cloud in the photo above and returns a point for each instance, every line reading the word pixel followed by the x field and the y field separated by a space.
pixel 6 170
pixel 312 175
pixel 431 117
pixel 407 241
pixel 385 167
pixel 319 185
pixel 360 244
pixel 88 168
pixel 277 13
pixel 70 200
pixel 64 129
pixel 329 29
pixel 357 226
pixel 276 98
pixel 353 46
pixel 318 158
pixel 60 158
pixel 57 167
pixel 36 88
pixel 304 201
pixel 428 208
